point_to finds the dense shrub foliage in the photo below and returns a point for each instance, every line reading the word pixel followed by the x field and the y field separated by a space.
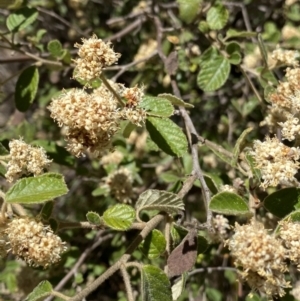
pixel 149 150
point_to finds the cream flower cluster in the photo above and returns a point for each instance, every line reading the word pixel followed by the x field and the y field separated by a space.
pixel 285 57
pixel 120 184
pixel 289 234
pixel 25 159
pixel 33 242
pixel 92 119
pixel 277 162
pixel 94 55
pixel 261 258
pixel 284 112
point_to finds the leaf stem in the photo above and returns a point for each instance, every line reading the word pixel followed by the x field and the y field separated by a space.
pixel 112 90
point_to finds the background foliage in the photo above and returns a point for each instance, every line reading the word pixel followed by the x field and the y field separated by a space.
pixel 217 53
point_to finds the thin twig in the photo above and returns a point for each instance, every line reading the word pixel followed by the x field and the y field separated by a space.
pixel 60 295
pixel 191 131
pixel 124 68
pixel 126 280
pixel 128 29
pixel 60 19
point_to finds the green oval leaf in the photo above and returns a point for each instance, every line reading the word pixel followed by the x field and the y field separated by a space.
pixel 94 218
pixel 217 17
pixel 228 203
pixel 119 217
pixel 55 48
pixel 3 150
pixel 233 47
pixel 155 284
pixel 294 216
pixel 282 202
pixel 179 287
pixel 159 200
pixel 232 33
pixel 46 211
pixel 21 18
pixel 213 73
pixel 168 136
pixel 235 58
pixel 43 289
pixel 157 106
pixel 188 9
pixel 37 189
pixel 175 100
pixel 26 88
pixel 154 245
pixel 208 55
pixel 239 146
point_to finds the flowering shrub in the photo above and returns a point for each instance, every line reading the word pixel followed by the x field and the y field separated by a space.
pixel 155 159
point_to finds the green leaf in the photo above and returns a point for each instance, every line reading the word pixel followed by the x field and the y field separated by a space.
pixel 213 73
pixel 37 189
pixel 119 217
pixel 267 77
pixel 251 162
pixel 153 199
pixel 202 244
pixel 208 55
pixel 43 289
pixel 155 284
pixel 217 17
pixel 188 9
pixel 168 136
pixel 222 153
pixel 169 177
pixel 157 106
pixel 128 129
pixel 3 150
pixel 21 18
pixel 26 88
pixel 55 48
pixel 263 50
pixel 213 294
pixel 154 245
pixel 161 200
pixel 213 182
pixel 293 217
pixel 94 218
pixel 103 190
pixel 235 58
pixel 228 203
pixel 175 100
pixel 203 27
pixel 232 33
pixel 233 47
pixel 239 146
pixel 179 287
pixel 46 211
pixel 53 224
pixel 282 202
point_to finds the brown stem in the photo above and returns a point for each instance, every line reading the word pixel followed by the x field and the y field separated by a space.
pixel 126 280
